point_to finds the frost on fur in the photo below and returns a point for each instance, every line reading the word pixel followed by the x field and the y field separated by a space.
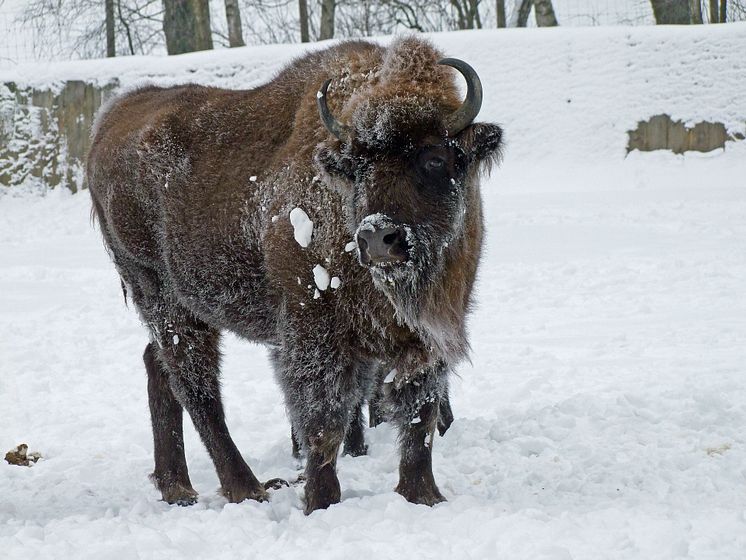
pixel 379 281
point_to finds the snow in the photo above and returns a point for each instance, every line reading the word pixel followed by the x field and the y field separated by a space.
pixel 351 246
pixel 335 283
pixel 320 277
pixel 391 376
pixel 302 226
pixel 602 414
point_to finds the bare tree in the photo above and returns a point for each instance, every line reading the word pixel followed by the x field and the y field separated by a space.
pixel 521 11
pixel 500 9
pixel 418 15
pixel 695 8
pixel 326 27
pixel 303 15
pixel 467 13
pixel 233 17
pixel 671 12
pixel 111 49
pixel 544 12
pixel 78 28
pixel 723 10
pixel 186 24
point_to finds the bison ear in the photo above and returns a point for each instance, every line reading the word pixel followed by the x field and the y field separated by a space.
pixel 335 166
pixel 482 142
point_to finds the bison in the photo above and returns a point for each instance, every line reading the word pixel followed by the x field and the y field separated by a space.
pixel 332 214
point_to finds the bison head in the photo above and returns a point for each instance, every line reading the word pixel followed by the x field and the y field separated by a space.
pixel 406 156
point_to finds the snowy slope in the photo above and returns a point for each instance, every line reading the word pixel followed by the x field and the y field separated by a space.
pixel 604 413
pixel 564 93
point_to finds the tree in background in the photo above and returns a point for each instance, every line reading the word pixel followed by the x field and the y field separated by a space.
pixel 543 11
pixel 111 49
pixel 186 24
pixel 233 18
pixel 326 27
pixel 96 28
pixel 719 16
pixel 303 20
pixel 467 14
pixel 83 29
pixel 500 13
pixel 672 12
pixel 695 8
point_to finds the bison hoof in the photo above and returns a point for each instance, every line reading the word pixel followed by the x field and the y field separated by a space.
pixel 427 494
pixel 275 484
pixel 239 494
pixel 322 494
pixel 173 492
pixel 179 495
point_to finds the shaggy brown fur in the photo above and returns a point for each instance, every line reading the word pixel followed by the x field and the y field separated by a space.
pixel 193 187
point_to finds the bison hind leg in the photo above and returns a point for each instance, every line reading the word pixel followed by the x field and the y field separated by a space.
pixel 171 476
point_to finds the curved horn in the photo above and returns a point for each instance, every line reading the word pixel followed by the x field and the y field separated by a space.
pixel 464 115
pixel 341 131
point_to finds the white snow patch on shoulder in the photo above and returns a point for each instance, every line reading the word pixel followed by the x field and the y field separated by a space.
pixel 320 277
pixel 390 377
pixel 302 226
pixel 335 283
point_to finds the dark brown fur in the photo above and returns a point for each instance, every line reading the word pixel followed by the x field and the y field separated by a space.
pixel 195 242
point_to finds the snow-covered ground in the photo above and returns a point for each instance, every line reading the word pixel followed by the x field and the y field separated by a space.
pixel 603 416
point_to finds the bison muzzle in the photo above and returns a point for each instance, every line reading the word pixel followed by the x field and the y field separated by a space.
pixel 333 214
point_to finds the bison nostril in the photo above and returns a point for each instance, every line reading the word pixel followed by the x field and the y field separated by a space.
pixel 381 246
pixel 391 238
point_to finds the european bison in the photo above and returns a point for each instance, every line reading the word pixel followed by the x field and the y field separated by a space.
pixel 340 225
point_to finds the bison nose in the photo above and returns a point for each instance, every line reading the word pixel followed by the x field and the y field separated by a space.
pixel 382 246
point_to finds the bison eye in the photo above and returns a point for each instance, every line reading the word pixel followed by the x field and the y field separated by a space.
pixel 435 164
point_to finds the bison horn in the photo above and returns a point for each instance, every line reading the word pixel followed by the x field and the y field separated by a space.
pixel 464 115
pixel 341 131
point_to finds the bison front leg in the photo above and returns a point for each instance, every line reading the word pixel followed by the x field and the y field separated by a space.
pixel 415 407
pixel 321 397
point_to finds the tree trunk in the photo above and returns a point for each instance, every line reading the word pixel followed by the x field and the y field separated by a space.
pixel 126 26
pixel 501 22
pixel 303 9
pixel 186 24
pixel 461 21
pixel 523 9
pixel 723 11
pixel 695 7
pixel 544 12
pixel 111 49
pixel 714 11
pixel 233 15
pixel 669 12
pixel 474 11
pixel 326 30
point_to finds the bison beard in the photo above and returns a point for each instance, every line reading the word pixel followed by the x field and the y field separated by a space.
pixel 193 188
